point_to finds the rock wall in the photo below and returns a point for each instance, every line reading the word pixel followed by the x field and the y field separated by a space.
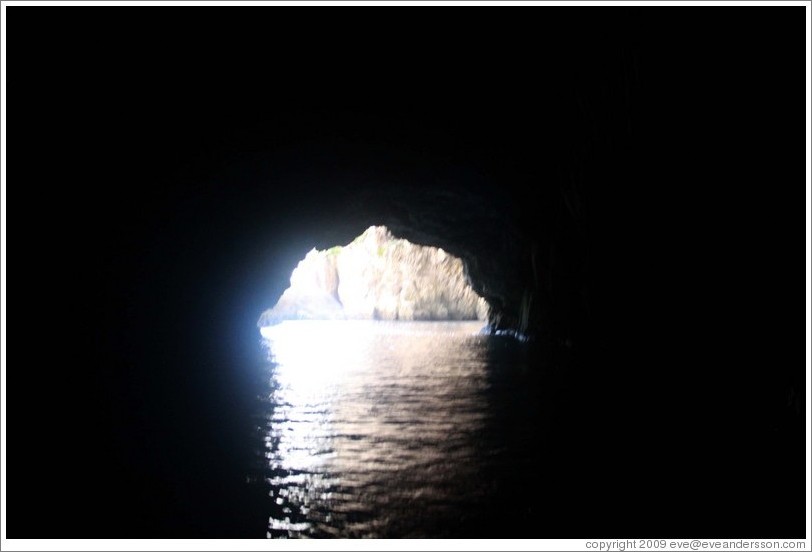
pixel 378 277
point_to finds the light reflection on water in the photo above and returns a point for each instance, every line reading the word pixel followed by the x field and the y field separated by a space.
pixel 374 427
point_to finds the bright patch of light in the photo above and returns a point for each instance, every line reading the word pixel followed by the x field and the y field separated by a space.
pixel 313 357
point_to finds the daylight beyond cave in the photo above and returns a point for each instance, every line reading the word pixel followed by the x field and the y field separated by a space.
pixel 378 277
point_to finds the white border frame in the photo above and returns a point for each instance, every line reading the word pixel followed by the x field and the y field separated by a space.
pixel 374 544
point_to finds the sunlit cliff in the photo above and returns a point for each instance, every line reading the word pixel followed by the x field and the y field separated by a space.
pixel 378 277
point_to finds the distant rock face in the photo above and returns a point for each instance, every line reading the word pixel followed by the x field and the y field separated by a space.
pixel 378 277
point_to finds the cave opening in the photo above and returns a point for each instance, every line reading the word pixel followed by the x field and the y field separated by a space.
pixel 377 277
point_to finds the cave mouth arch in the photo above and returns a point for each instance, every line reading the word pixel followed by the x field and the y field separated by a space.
pixel 508 260
pixel 378 276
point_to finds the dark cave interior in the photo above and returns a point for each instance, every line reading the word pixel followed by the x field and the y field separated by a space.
pixel 632 208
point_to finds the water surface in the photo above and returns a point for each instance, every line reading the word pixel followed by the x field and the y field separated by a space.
pixel 393 429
